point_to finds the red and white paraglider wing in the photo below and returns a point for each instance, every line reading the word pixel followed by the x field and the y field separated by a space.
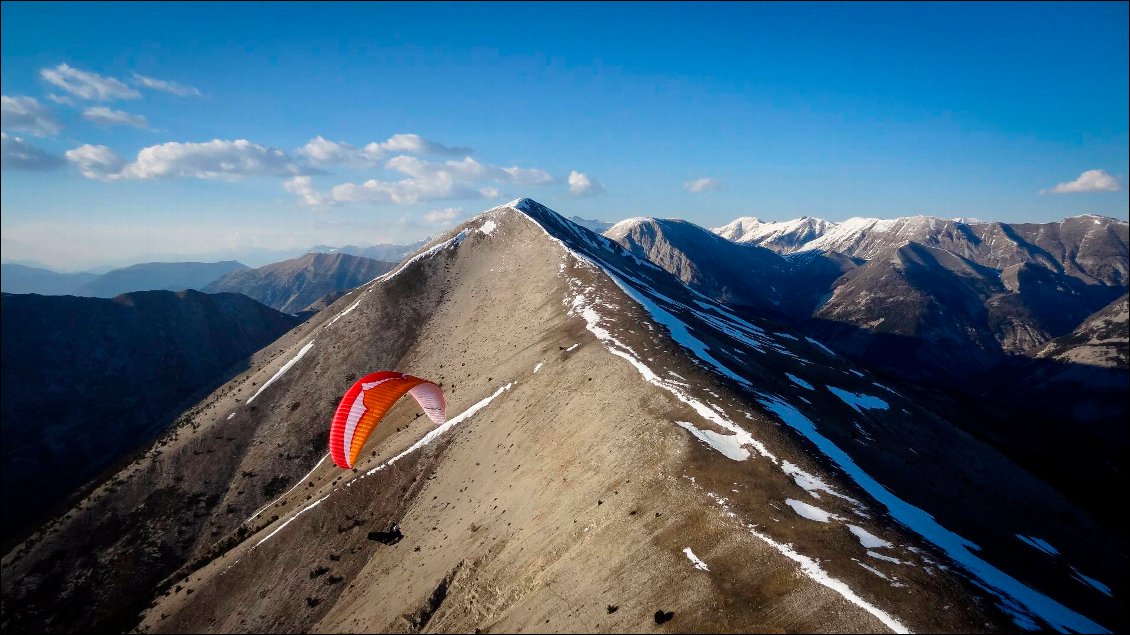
pixel 367 402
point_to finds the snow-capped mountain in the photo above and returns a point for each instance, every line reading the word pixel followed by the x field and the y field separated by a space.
pixel 619 447
pixel 782 237
pixel 1089 247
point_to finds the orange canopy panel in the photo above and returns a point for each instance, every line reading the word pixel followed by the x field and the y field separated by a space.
pixel 366 403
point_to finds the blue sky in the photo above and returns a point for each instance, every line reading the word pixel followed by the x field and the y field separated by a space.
pixel 155 131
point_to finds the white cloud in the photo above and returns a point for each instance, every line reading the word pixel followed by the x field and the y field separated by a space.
pixel 87 85
pixel 702 185
pixel 180 90
pixel 468 169
pixel 216 159
pixel 61 99
pixel 26 114
pixel 96 162
pixel 304 188
pixel 581 185
pixel 1089 181
pixel 415 144
pixel 320 151
pixel 17 154
pixel 427 181
pixel 443 216
pixel 104 116
pixel 406 191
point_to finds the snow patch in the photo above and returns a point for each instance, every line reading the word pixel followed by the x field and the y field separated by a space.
pixel 821 346
pixel 698 564
pixel 868 539
pixel 538 366
pixel 291 519
pixel 488 227
pixel 813 484
pixel 727 444
pixel 859 401
pixel 1039 543
pixel 800 382
pixel 1091 582
pixel 811 512
pixel 877 555
pixel 282 371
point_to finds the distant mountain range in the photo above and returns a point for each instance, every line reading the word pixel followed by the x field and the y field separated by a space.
pixel 1089 247
pixel 382 252
pixel 16 278
pixel 157 276
pixel 293 285
pixel 172 276
pixel 88 379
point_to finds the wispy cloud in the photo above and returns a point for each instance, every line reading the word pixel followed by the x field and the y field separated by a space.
pixel 215 160
pixel 1089 181
pixel 320 151
pixel 104 116
pixel 581 185
pixel 426 181
pixel 705 184
pixel 443 216
pixel 174 88
pixel 303 186
pixel 26 114
pixel 96 162
pixel 87 85
pixel 17 154
pixel 415 144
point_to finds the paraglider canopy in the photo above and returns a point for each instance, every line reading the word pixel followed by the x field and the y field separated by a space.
pixel 366 403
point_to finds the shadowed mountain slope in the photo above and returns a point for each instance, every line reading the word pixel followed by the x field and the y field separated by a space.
pixel 614 440
pixel 85 380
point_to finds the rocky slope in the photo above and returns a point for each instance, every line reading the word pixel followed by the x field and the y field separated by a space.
pixel 1099 341
pixel 85 380
pixel 292 285
pixel 619 450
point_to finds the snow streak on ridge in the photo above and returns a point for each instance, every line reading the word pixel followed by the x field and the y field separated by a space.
pixel 282 371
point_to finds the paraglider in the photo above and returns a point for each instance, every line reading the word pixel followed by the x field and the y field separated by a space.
pixel 366 403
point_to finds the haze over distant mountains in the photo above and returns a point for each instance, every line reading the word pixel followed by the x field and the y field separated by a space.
pixel 174 276
pixel 16 278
